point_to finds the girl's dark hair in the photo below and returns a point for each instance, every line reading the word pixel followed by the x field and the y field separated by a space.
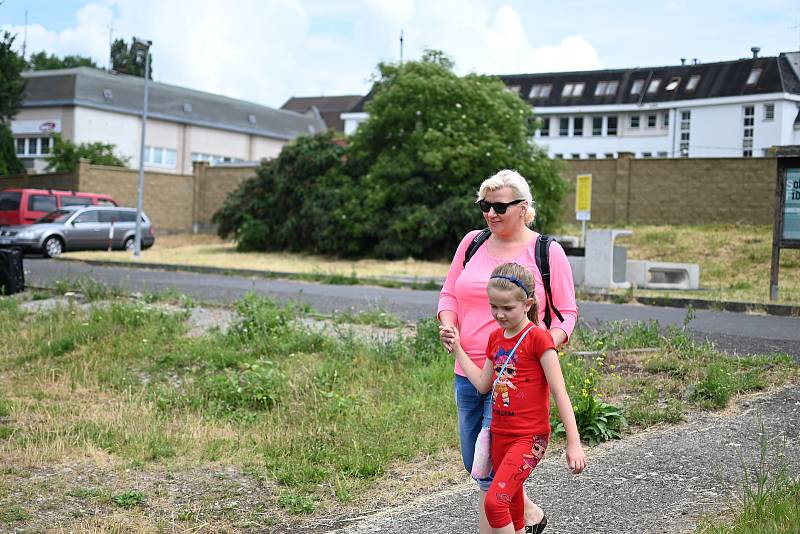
pixel 515 270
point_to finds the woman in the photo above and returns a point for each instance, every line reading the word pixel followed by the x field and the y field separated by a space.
pixel 508 209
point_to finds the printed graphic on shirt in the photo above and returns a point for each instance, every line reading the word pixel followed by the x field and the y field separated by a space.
pixel 504 382
pixel 529 461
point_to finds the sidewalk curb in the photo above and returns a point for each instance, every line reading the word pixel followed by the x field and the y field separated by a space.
pixel 434 283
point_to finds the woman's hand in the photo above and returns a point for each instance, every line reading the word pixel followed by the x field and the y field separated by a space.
pixel 448 336
pixel 576 458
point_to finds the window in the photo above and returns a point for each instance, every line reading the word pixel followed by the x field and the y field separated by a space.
pixel 754 75
pixel 769 112
pixel 665 120
pixel 509 89
pixel 634 122
pixel 45 146
pixel 160 157
pixel 9 200
pixel 540 91
pixel 213 159
pixel 673 84
pixel 575 156
pixel 563 126
pixel 608 155
pixel 653 87
pixel 647 154
pixel 75 201
pixel 577 127
pixel 597 125
pixel 636 88
pixel 652 121
pixel 573 89
pixel 591 155
pixel 545 129
pixel 686 117
pixel 20 146
pixel 558 156
pixel 42 203
pixel 600 90
pixel 611 90
pixel 691 85
pixel 87 217
pixel 747 136
pixel 612 126
pixel 662 154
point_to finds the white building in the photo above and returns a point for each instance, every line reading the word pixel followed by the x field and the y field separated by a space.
pixel 87 105
pixel 726 109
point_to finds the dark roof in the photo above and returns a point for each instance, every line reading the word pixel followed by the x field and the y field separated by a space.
pixel 121 93
pixel 726 78
pixel 329 107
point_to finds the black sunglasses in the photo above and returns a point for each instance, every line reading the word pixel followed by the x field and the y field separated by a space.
pixel 499 207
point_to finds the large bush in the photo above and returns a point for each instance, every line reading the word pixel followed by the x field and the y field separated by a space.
pixel 406 183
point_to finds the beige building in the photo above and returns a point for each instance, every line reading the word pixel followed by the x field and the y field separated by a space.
pixel 87 105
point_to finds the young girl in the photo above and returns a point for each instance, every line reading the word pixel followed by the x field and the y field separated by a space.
pixel 520 425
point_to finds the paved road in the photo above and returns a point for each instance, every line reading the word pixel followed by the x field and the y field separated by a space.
pixel 733 332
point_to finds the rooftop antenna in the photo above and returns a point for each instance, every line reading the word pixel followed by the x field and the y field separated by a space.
pixel 401 47
pixel 25 35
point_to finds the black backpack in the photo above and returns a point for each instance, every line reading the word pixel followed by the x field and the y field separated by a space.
pixel 12 274
pixel 542 258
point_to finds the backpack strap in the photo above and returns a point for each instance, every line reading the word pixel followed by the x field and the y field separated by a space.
pixel 477 241
pixel 542 258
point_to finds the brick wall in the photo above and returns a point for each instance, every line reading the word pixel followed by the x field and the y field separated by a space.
pixel 55 180
pixel 168 198
pixel 213 186
pixel 676 191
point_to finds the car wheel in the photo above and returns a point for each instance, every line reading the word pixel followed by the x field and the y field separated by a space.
pixel 130 244
pixel 52 247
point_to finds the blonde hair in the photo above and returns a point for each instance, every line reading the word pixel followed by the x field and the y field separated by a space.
pixel 515 270
pixel 518 184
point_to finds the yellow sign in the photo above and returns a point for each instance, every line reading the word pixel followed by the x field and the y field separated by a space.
pixel 583 197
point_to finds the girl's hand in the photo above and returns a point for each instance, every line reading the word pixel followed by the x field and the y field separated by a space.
pixel 446 336
pixel 576 458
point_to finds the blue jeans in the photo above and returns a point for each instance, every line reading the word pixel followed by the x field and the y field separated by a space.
pixel 474 412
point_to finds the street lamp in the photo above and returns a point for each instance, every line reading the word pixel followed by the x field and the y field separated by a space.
pixel 137 247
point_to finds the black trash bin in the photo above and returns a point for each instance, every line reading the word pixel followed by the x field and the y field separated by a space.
pixel 12 275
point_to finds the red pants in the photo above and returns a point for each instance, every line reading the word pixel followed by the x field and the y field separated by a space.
pixel 513 459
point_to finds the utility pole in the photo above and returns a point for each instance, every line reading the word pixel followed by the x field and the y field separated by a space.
pixel 25 35
pixel 110 43
pixel 137 241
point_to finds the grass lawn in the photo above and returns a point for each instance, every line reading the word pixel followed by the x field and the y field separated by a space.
pixel 734 260
pixel 113 419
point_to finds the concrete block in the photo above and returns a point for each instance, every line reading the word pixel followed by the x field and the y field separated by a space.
pixel 578 264
pixel 663 275
pixel 599 271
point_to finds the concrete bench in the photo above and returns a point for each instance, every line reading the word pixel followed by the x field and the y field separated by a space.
pixel 663 275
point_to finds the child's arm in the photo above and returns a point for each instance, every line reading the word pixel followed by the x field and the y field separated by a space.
pixel 480 378
pixel 576 458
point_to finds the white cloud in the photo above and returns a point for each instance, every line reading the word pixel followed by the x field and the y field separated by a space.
pixel 268 51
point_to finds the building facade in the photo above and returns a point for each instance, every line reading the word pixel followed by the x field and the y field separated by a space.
pixel 87 105
pixel 735 108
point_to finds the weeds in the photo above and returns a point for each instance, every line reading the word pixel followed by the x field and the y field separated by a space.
pixel 375 316
pixel 129 499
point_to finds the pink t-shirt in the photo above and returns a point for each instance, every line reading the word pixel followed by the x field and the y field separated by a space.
pixel 464 292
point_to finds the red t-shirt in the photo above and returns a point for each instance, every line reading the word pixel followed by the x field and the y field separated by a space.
pixel 521 402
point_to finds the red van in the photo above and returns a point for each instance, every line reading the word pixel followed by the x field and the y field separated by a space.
pixel 25 206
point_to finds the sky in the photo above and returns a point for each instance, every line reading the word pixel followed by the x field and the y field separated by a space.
pixel 267 51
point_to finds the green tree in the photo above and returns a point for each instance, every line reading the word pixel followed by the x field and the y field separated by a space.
pixel 12 93
pixel 42 61
pixel 430 139
pixel 65 155
pixel 129 59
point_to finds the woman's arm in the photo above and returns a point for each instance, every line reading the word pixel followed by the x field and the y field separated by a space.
pixel 576 458
pixel 481 378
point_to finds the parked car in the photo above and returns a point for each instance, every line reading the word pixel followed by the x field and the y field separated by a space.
pixel 79 228
pixel 24 206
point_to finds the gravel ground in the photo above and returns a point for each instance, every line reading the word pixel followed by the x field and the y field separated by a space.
pixel 659 481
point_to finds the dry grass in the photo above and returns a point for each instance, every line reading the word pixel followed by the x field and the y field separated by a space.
pixel 210 251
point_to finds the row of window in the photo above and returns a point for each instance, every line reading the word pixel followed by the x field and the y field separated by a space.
pixel 577 126
pixel 156 156
pixel 609 155
pixel 609 87
pixel 33 146
pixel 214 159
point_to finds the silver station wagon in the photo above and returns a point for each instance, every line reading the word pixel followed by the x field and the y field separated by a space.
pixel 79 228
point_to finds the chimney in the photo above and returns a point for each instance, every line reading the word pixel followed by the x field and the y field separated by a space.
pixel 695 61
pixel 683 61
pixel 755 50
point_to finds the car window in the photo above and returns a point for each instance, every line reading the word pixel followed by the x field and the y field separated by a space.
pixel 75 201
pixel 56 216
pixel 127 216
pixel 9 200
pixel 42 203
pixel 105 202
pixel 87 217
